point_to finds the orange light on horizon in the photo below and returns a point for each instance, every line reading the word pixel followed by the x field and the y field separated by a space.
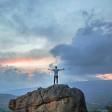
pixel 105 76
pixel 29 65
pixel 28 62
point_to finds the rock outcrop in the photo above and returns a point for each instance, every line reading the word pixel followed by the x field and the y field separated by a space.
pixel 57 98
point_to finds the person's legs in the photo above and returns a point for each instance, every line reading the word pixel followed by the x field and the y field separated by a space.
pixel 54 79
pixel 57 79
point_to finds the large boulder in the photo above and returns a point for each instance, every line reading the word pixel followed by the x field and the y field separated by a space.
pixel 57 98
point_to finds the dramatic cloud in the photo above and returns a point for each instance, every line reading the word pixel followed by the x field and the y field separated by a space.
pixel 37 18
pixel 29 65
pixel 24 21
pixel 91 49
pixel 29 29
pixel 34 53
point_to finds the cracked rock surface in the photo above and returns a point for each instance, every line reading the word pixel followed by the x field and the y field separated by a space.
pixel 56 98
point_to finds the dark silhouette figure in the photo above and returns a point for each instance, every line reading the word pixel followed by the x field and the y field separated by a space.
pixel 56 70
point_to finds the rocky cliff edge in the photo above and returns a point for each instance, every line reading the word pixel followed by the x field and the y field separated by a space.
pixel 56 98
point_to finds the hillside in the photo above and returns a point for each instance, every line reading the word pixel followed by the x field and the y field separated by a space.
pixel 4 100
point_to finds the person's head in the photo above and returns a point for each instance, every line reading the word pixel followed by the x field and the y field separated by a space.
pixel 55 67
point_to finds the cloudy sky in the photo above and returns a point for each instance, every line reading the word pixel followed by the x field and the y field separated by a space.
pixel 38 34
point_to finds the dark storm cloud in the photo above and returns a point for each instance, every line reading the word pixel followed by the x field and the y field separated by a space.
pixel 91 49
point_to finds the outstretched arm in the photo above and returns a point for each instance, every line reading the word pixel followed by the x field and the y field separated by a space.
pixel 50 69
pixel 61 69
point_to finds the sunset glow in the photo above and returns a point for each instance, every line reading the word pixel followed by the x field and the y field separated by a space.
pixel 105 76
pixel 29 65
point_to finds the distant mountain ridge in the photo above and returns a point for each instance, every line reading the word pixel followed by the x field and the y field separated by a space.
pixel 4 100
pixel 5 97
pixel 97 93
pixel 22 91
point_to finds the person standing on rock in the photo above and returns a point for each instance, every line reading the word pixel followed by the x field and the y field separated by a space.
pixel 56 70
